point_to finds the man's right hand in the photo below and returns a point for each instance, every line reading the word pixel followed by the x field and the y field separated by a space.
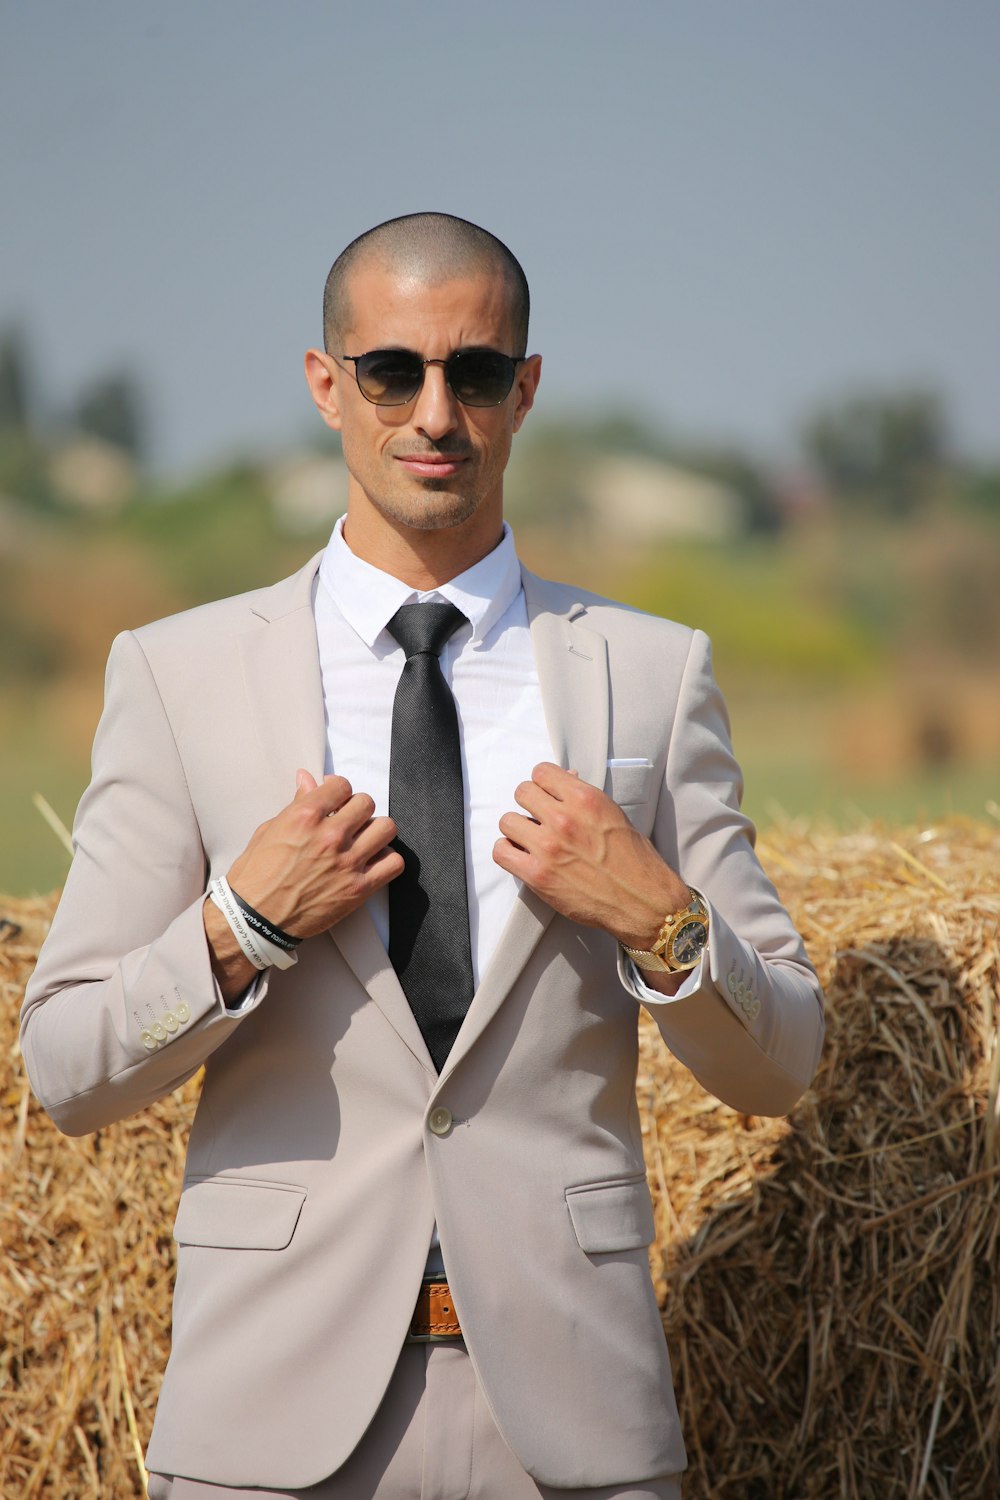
pixel 305 869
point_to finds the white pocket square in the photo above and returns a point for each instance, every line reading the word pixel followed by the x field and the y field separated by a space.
pixel 630 780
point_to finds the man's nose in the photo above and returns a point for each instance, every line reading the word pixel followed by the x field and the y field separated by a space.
pixel 436 411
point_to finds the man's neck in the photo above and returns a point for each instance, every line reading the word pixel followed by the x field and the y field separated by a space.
pixel 423 560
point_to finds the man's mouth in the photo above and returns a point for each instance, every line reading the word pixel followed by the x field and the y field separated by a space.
pixel 431 465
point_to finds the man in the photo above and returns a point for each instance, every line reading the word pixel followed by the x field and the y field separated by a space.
pixel 418 1031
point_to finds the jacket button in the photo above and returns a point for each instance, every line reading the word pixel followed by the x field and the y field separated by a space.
pixel 148 1040
pixel 182 1011
pixel 440 1120
pixel 170 1021
pixel 159 1031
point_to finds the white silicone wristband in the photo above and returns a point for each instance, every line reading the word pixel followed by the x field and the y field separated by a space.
pixel 261 953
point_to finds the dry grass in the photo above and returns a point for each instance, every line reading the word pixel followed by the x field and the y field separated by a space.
pixel 830 1282
pixel 86 1272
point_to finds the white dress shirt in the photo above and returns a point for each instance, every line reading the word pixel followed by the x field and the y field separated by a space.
pixel 490 667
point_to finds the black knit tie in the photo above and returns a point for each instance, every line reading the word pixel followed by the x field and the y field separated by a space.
pixel 428 904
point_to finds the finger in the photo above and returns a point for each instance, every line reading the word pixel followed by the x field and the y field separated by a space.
pixel 533 798
pixel 554 780
pixel 387 865
pixel 354 813
pixel 521 831
pixel 304 782
pixel 510 857
pixel 331 794
pixel 373 837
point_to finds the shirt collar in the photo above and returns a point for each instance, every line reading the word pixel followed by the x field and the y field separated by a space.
pixel 368 598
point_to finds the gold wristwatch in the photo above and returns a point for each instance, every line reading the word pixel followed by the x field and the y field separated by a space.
pixel 680 941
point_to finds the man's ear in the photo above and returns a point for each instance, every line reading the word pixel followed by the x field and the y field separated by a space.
pixel 321 378
pixel 528 375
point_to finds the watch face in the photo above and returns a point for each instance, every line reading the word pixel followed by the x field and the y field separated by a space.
pixel 689 942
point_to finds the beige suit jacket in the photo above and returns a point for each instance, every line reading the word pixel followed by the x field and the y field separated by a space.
pixel 325 1145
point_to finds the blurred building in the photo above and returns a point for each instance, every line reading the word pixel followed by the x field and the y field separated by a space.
pixel 91 474
pixel 645 500
pixel 308 492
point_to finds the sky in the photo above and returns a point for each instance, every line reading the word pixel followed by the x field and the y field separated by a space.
pixel 729 212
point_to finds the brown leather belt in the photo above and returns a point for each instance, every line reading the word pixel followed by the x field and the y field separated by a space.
pixel 434 1316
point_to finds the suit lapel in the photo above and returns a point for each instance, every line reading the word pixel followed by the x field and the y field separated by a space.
pixel 281 671
pixel 572 663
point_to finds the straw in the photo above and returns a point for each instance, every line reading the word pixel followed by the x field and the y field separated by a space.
pixel 829 1283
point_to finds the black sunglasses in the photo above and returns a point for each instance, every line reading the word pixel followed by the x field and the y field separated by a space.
pixel 476 377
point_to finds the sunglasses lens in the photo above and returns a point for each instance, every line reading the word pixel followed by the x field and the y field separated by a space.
pixel 478 377
pixel 389 377
pixel 481 377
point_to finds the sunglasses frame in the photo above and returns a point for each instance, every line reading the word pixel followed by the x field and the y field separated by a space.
pixel 515 360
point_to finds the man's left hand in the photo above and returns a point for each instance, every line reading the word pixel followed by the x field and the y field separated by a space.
pixel 577 850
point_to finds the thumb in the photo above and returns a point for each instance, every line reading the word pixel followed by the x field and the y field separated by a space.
pixel 303 783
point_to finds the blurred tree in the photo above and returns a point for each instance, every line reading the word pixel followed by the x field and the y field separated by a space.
pixel 24 472
pixel 15 381
pixel 887 450
pixel 542 482
pixel 743 475
pixel 111 407
pixel 23 459
pixel 981 490
pixel 622 432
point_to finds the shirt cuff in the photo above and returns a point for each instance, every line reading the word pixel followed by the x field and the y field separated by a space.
pixel 242 1002
pixel 631 977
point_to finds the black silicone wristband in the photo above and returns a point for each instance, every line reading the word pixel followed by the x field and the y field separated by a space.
pixel 264 927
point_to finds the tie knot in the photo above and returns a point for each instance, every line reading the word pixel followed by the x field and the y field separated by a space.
pixel 425 627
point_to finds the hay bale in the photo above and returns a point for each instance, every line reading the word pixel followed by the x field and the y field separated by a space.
pixel 829 1282
pixel 86 1275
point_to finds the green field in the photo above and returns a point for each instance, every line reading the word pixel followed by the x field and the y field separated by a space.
pixel 33 862
pixel 858 657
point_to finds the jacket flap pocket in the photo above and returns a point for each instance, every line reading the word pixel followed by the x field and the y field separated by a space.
pixel 234 1213
pixel 611 1215
pixel 628 785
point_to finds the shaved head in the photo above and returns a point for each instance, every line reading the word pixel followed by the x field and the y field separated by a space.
pixel 431 248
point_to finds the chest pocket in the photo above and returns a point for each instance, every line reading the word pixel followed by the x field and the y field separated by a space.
pixel 630 784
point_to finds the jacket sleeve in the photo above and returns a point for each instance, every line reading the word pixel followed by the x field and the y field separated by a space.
pixel 123 1006
pixel 752 1031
